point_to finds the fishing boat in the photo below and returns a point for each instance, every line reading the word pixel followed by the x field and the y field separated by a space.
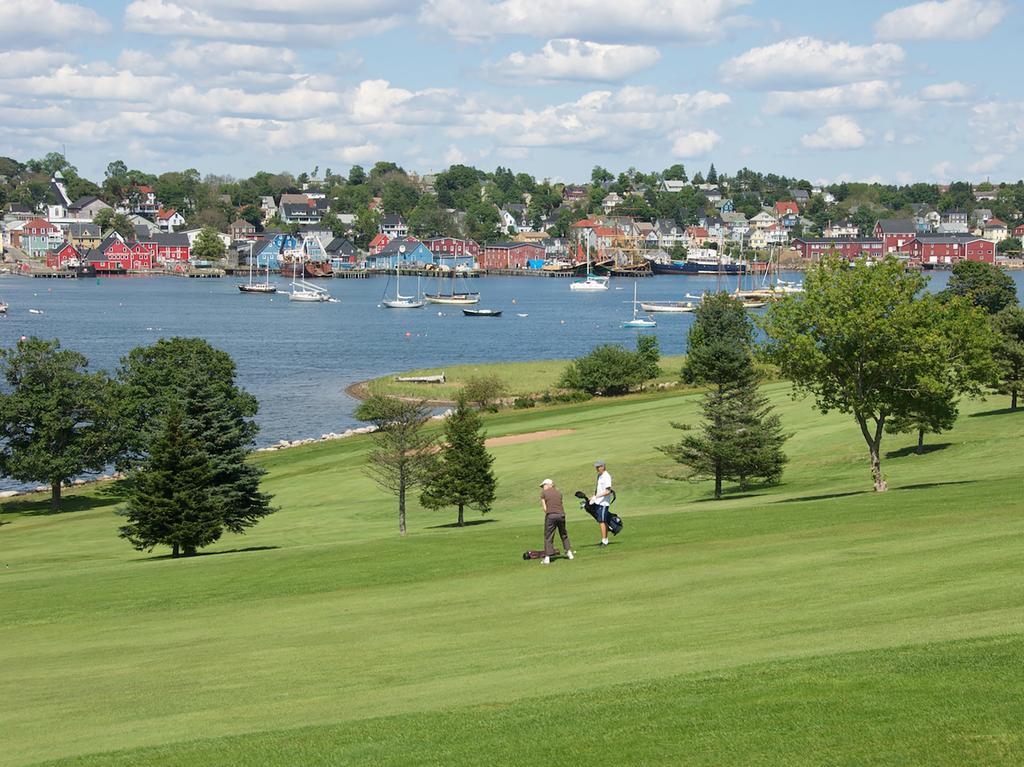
pixel 591 282
pixel 3 307
pixel 257 287
pixel 667 307
pixel 399 301
pixel 452 297
pixel 482 312
pixel 638 322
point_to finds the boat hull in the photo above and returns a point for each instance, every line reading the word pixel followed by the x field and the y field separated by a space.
pixel 693 267
pixel 257 288
pixel 668 308
pixel 640 324
pixel 482 312
pixel 403 304
pixel 457 299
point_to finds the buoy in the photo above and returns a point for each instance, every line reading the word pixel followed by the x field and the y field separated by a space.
pixel 513 300
pixel 563 322
pixel 407 334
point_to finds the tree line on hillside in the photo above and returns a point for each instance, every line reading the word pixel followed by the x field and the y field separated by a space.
pixel 172 418
pixel 464 201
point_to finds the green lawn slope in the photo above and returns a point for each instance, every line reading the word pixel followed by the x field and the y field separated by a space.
pixel 811 623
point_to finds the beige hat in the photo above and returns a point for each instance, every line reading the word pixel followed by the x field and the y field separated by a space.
pixel 547 482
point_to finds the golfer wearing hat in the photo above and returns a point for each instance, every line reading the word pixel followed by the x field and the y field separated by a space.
pixel 554 518
pixel 603 498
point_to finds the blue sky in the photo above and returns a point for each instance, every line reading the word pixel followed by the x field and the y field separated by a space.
pixel 887 91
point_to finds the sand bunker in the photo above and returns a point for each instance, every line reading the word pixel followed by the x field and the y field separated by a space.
pixel 534 436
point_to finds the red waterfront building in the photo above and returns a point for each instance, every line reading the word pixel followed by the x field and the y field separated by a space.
pixel 945 249
pixel 510 255
pixel 850 248
pixel 452 246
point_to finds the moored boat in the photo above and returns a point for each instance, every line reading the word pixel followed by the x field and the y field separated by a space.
pixel 482 312
pixel 667 307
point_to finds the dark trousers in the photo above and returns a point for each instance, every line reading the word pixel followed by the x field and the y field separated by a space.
pixel 551 523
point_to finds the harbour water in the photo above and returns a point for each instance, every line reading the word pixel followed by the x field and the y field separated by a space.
pixel 298 358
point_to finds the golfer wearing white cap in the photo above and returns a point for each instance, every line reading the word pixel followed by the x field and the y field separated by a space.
pixel 554 519
pixel 603 498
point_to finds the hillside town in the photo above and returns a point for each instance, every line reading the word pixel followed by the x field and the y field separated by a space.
pixel 56 222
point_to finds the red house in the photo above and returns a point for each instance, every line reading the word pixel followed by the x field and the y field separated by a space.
pixel 895 233
pixel 452 246
pixel 377 244
pixel 813 248
pixel 784 207
pixel 59 257
pixel 167 249
pixel 114 255
pixel 510 255
pixel 1018 231
pixel 944 249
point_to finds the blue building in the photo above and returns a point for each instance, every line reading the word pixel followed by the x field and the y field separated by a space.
pixel 271 246
pixel 405 252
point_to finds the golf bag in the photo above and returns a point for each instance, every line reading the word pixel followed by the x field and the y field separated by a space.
pixel 534 554
pixel 593 509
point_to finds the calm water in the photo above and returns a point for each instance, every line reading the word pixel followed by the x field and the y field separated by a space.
pixel 298 358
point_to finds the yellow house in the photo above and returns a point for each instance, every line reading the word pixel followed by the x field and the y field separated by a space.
pixel 84 236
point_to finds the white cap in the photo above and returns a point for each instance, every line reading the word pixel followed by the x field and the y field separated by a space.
pixel 547 482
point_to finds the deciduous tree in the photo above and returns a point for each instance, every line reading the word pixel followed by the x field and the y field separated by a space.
pixel 57 420
pixel 404 454
pixel 208 245
pixel 862 341
pixel 984 285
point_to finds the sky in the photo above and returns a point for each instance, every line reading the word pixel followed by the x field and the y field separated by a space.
pixel 828 91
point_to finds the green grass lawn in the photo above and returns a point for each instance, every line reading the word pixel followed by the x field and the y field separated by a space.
pixel 521 378
pixel 811 623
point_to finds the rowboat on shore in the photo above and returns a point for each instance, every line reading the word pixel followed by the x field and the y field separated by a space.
pixel 667 307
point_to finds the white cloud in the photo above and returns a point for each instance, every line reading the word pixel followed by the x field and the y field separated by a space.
pixel 941 20
pixel 95 83
pixel 603 20
pixel 26 63
pixel 572 59
pixel 25 23
pixel 856 97
pixel 194 18
pixel 986 164
pixel 806 61
pixel 838 132
pixel 694 144
pixel 455 156
pixel 230 57
pixel 953 91
pixel 361 153
pixel 942 170
pixel 610 120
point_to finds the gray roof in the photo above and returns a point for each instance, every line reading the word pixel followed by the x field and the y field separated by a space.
pixel 896 225
pixel 340 246
pixel 169 239
pixel 83 229
pixel 392 247
pixel 392 219
pixel 947 239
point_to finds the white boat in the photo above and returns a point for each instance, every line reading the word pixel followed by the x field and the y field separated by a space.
pixel 452 297
pixel 668 307
pixel 638 322
pixel 400 301
pixel 307 292
pixel 3 308
pixel 592 282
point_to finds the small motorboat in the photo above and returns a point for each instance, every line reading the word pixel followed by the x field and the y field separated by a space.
pixel 482 312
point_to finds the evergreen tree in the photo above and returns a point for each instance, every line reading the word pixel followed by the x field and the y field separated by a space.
pixel 170 502
pixel 189 375
pixel 463 476
pixel 741 438
pixel 1009 352
pixel 712 175
pixel 403 457
pixel 56 420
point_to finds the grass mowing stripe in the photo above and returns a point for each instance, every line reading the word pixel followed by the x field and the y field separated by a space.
pixel 905 705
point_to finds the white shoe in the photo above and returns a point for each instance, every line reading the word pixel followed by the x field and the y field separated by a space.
pixel 569 554
pixel 546 561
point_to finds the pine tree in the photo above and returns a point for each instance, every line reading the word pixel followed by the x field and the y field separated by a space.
pixel 189 379
pixel 712 175
pixel 170 498
pixel 741 438
pixel 463 476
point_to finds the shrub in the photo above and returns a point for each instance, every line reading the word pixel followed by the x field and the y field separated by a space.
pixel 484 391
pixel 610 369
pixel 521 403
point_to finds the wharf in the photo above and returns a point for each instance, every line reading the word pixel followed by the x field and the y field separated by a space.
pixel 351 274
pixel 434 273
pixel 205 273
pixel 530 273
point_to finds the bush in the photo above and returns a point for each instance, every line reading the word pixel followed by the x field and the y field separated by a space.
pixel 521 403
pixel 484 391
pixel 610 369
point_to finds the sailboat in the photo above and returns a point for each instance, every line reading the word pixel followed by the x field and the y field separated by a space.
pixel 306 292
pixel 257 287
pixel 452 297
pixel 400 301
pixel 638 322
pixel 592 282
